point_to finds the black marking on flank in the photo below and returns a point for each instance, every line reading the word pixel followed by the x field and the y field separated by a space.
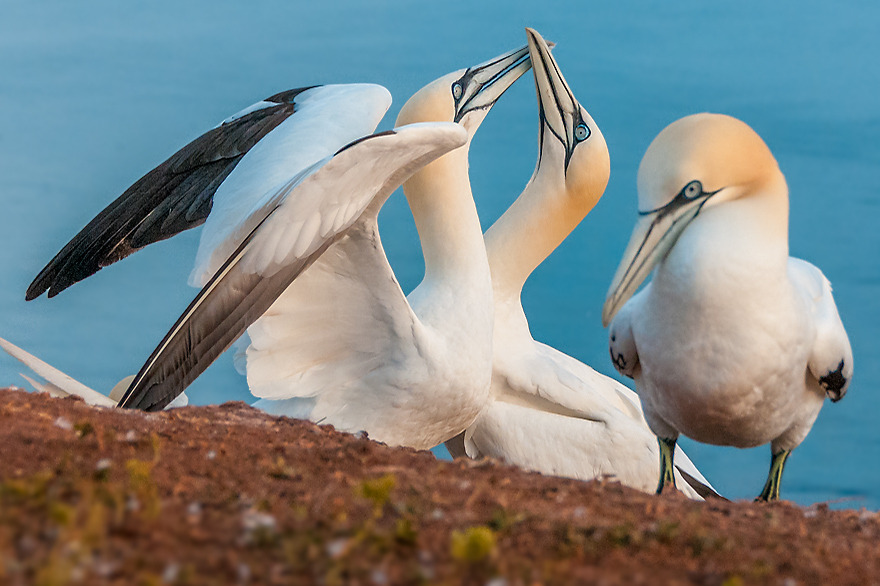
pixel 833 383
pixel 618 360
pixel 362 139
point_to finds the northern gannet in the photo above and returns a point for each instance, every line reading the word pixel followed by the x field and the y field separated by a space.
pixel 732 342
pixel 344 346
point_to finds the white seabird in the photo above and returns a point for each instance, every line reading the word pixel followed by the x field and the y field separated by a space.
pixel 344 346
pixel 548 411
pixel 228 172
pixel 353 351
pixel 297 224
pixel 733 342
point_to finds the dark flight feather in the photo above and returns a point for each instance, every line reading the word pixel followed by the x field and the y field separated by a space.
pixel 175 196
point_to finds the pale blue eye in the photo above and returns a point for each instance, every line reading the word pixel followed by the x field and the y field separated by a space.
pixel 456 91
pixel 693 189
pixel 581 132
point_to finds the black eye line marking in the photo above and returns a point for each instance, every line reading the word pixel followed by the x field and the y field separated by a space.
pixel 678 202
pixel 680 199
pixel 578 121
pixel 569 148
pixel 465 81
pixel 555 101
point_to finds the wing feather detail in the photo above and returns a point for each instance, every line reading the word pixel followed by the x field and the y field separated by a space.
pixel 175 196
pixel 285 241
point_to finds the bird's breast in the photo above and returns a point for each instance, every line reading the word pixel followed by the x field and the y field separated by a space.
pixel 723 344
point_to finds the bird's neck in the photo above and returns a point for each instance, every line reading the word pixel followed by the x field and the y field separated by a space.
pixel 532 228
pixel 446 218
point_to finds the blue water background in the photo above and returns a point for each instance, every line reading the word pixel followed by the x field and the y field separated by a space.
pixel 94 94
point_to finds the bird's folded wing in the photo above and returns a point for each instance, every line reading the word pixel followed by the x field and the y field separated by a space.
pixel 313 213
pixel 554 382
pixel 616 393
pixel 831 360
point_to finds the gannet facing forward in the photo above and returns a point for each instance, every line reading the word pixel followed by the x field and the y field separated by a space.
pixel 733 342
pixel 549 412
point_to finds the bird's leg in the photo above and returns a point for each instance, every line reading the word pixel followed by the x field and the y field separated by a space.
pixel 774 479
pixel 667 475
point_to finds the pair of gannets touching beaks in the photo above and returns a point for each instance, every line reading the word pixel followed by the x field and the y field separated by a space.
pixel 288 185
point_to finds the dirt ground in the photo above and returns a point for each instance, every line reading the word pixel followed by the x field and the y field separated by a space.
pixel 228 495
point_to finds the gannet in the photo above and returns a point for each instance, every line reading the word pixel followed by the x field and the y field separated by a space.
pixel 228 172
pixel 549 412
pixel 732 342
pixel 306 216
pixel 344 346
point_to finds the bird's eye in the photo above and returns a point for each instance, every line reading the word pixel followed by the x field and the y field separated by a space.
pixel 456 91
pixel 582 131
pixel 693 189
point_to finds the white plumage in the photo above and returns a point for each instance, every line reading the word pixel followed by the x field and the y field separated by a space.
pixel 733 342
pixel 344 346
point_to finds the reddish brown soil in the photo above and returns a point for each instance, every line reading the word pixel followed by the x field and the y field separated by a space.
pixel 227 495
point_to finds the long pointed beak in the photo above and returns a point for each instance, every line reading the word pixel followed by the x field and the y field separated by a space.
pixel 481 86
pixel 653 237
pixel 559 111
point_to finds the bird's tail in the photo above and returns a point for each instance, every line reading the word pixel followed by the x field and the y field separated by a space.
pixel 704 489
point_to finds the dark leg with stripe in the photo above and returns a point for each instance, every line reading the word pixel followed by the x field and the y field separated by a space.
pixel 774 479
pixel 667 474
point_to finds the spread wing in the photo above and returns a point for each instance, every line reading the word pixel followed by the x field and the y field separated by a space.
pixel 346 318
pixel 313 212
pixel 58 384
pixel 831 360
pixel 173 197
pixel 256 150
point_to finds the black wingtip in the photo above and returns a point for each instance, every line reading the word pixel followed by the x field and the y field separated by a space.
pixel 705 491
pixel 38 286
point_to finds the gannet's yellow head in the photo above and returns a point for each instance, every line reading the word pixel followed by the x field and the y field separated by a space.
pixel 466 96
pixel 695 163
pixel 709 152
pixel 573 157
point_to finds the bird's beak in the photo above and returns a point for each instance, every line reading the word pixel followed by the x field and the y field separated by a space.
pixel 481 86
pixel 654 235
pixel 558 109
